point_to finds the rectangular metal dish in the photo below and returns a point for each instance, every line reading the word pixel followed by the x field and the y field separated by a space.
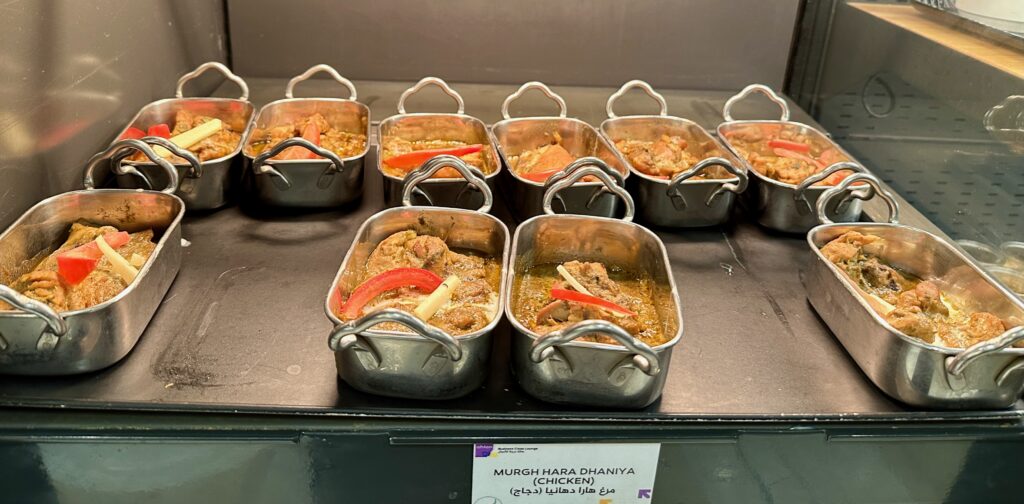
pixel 425 363
pixel 680 201
pixel 326 181
pixel 554 368
pixel 210 187
pixel 100 335
pixel 443 192
pixel 986 375
pixel 516 135
pixel 777 205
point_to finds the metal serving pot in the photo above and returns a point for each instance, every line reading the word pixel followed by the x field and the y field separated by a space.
pixel 427 363
pixel 557 368
pixel 37 340
pixel 203 185
pixel 675 202
pixel 514 136
pixel 444 192
pixel 989 374
pixel 787 207
pixel 326 181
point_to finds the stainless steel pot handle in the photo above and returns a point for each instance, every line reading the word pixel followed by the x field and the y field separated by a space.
pixel 473 176
pixel 894 207
pixel 437 82
pixel 57 325
pixel 576 175
pixel 676 194
pixel 955 364
pixel 348 330
pixel 121 169
pixel 261 165
pixel 803 206
pixel 216 66
pixel 313 70
pixel 759 88
pixel 637 83
pixel 196 167
pixel 562 109
pixel 644 357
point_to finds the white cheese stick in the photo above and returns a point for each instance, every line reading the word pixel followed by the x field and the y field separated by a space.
pixel 119 264
pixel 441 295
pixel 192 136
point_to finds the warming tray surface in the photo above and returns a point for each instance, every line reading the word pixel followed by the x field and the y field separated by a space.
pixel 243 330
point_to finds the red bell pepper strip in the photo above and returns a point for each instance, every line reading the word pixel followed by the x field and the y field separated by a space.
pixel 539 176
pixel 414 159
pixel 778 143
pixel 310 132
pixel 579 297
pixel 159 130
pixel 133 133
pixel 75 264
pixel 786 153
pixel 424 280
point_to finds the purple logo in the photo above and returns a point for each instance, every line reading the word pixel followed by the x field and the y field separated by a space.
pixel 644 493
pixel 482 450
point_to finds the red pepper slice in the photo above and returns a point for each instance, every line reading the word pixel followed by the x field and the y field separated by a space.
pixel 786 153
pixel 133 133
pixel 414 159
pixel 579 297
pixel 310 132
pixel 540 176
pixel 778 143
pixel 75 264
pixel 159 130
pixel 424 280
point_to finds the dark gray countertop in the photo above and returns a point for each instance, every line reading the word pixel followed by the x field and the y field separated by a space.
pixel 243 327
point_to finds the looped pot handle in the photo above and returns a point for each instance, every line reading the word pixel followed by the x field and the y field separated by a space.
pixel 576 172
pixel 121 169
pixel 662 106
pixel 216 66
pixel 261 164
pixel 421 328
pixel 644 357
pixel 472 175
pixel 677 197
pixel 840 188
pixel 426 81
pixel 56 324
pixel 956 364
pixel 755 88
pixel 562 109
pixel 313 70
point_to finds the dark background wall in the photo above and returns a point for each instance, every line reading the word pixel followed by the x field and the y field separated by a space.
pixel 697 44
pixel 73 73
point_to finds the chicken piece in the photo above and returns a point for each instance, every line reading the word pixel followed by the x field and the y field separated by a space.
pixel 318 118
pixel 405 249
pixel 594 276
pixel 43 286
pixel 982 326
pixel 545 158
pixel 912 322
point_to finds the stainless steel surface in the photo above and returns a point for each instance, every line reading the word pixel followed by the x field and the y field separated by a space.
pixel 981 252
pixel 327 181
pixel 436 126
pixel 74 72
pixel 580 43
pixel 1011 278
pixel 576 171
pixel 212 187
pixel 515 136
pixel 98 336
pixel 557 369
pixel 1013 254
pixel 428 364
pixel 780 206
pixel 986 375
pixel 474 178
pixel 679 201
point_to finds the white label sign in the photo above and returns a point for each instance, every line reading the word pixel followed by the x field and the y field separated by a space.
pixel 597 473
